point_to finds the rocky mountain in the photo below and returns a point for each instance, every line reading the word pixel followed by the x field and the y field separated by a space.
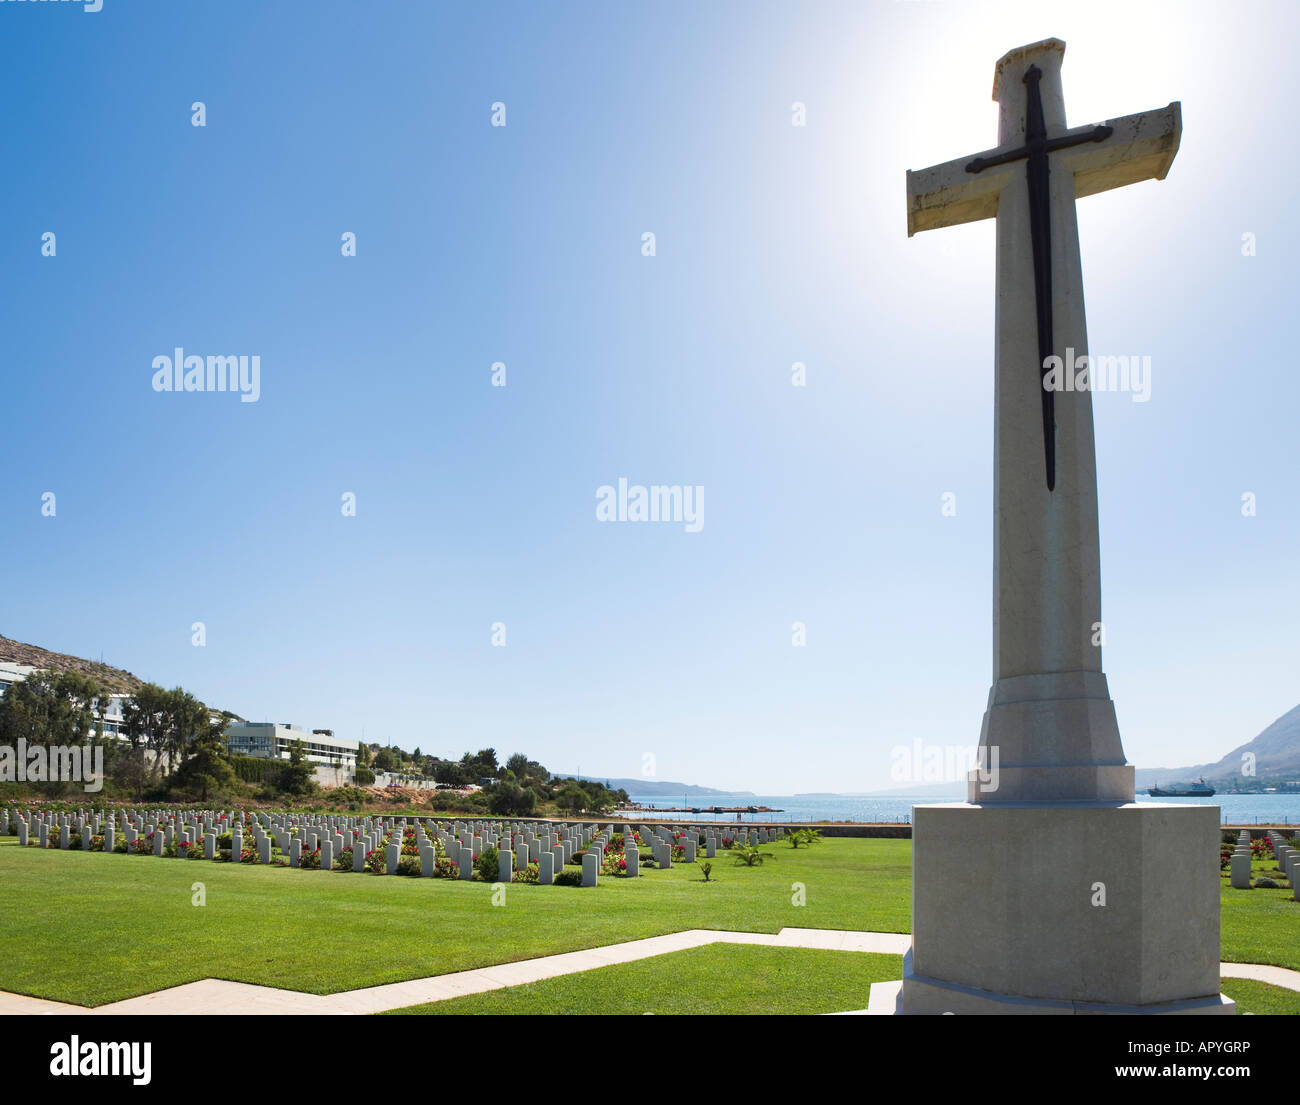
pixel 1276 751
pixel 113 679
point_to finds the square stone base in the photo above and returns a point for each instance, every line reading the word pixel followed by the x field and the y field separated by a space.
pixel 1064 908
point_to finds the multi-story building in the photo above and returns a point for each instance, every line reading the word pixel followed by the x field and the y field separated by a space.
pixel 269 740
pixel 265 740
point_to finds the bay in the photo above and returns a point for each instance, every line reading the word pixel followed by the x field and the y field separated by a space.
pixel 1235 809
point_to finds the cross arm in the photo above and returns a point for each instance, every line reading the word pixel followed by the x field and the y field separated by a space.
pixel 1140 147
pixel 946 195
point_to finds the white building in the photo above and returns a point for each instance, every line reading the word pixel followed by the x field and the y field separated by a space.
pixel 11 673
pixel 270 740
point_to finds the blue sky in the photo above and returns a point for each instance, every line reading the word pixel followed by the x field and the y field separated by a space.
pixel 521 244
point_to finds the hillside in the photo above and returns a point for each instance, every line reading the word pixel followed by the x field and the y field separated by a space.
pixel 113 679
pixel 1276 751
pixel 654 788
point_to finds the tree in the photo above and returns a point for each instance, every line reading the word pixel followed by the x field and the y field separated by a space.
pixel 481 764
pixel 187 721
pixel 452 774
pixel 28 711
pixel 526 770
pixel 509 799
pixel 298 776
pixel 50 708
pixel 144 722
pixel 385 760
pixel 572 798
pixel 207 769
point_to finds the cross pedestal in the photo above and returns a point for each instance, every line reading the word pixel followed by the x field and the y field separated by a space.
pixel 1050 890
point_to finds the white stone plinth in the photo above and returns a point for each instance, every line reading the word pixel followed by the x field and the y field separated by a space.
pixel 1007 913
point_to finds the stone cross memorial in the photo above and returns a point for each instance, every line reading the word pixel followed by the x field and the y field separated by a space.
pixel 1050 890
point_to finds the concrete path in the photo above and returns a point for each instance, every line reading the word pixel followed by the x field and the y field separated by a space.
pixel 216 997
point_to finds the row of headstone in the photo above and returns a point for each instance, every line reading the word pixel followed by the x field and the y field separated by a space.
pixel 1288 861
pixel 1239 863
pixel 549 844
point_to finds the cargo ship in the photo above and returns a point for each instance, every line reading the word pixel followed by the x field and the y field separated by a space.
pixel 1194 790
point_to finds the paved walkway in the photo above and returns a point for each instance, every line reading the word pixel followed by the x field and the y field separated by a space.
pixel 216 996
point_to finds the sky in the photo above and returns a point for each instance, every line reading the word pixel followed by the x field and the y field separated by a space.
pixel 628 649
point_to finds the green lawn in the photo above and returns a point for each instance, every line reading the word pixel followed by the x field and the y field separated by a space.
pixel 718 978
pixel 739 978
pixel 1260 925
pixel 91 928
pixel 1260 997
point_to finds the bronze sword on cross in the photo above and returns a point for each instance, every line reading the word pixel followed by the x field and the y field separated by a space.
pixel 1035 150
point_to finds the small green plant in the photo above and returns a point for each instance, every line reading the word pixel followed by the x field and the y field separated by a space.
pixel 568 878
pixel 804 836
pixel 707 868
pixel 750 855
pixel 486 864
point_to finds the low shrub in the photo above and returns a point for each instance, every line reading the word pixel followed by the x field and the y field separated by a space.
pixel 409 865
pixel 486 864
pixel 568 878
pixel 529 874
pixel 1265 884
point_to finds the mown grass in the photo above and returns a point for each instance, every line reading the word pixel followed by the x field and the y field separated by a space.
pixel 739 978
pixel 90 928
pixel 1260 997
pixel 717 978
